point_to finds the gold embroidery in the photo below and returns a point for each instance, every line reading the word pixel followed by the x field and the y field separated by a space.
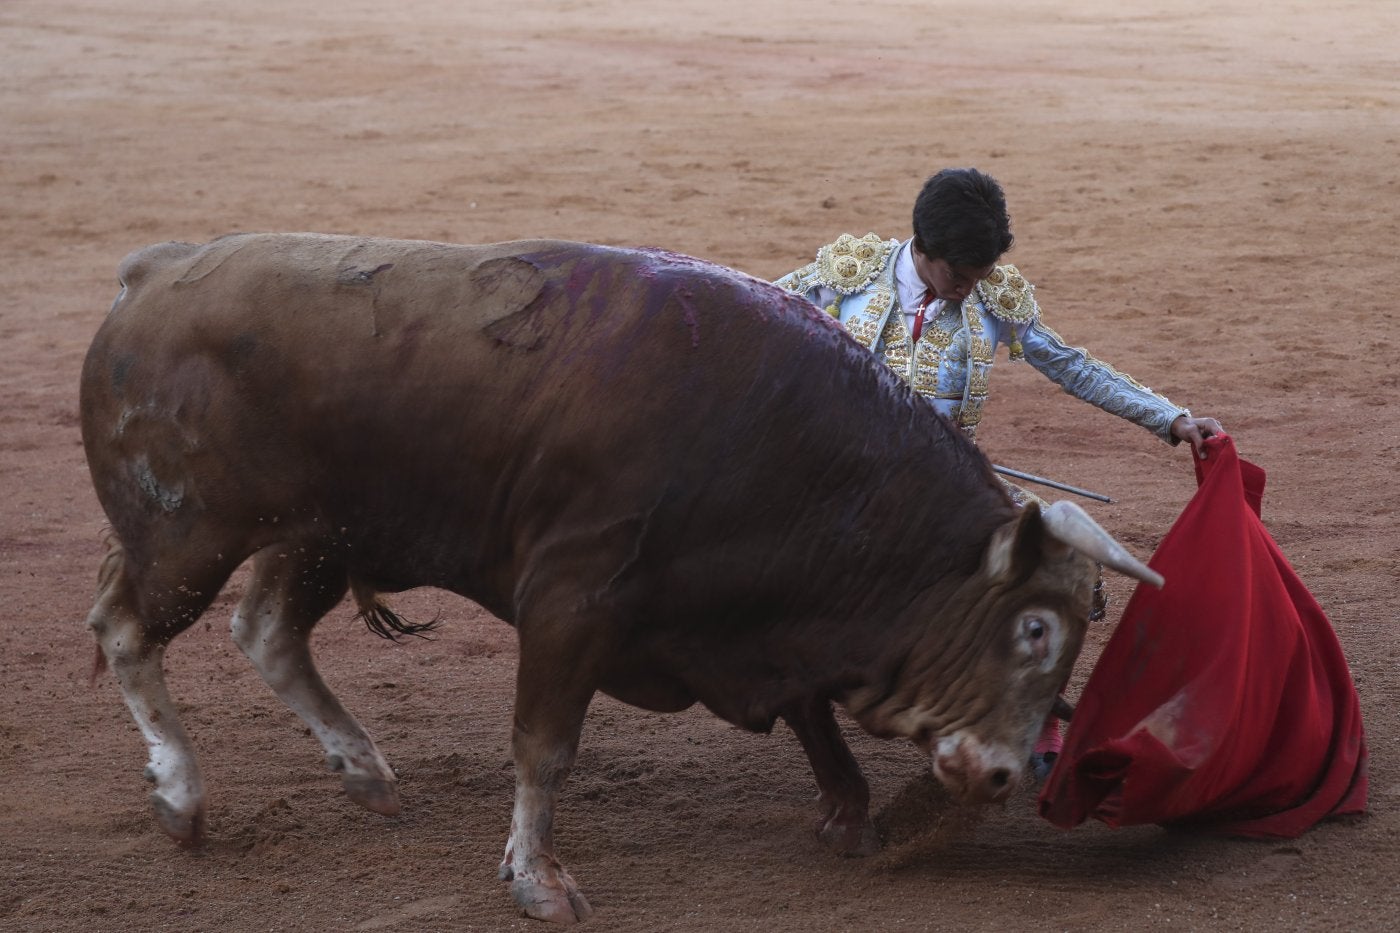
pixel 939 332
pixel 849 264
pixel 1021 496
pixel 928 361
pixel 1008 296
pixel 979 348
pixel 977 381
pixel 974 320
pixel 944 342
pixel 863 330
pixel 797 282
pixel 896 339
pixel 979 351
pixel 970 417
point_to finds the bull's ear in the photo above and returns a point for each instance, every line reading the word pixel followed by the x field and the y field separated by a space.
pixel 1018 546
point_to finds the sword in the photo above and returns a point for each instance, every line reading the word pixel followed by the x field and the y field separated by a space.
pixel 1032 478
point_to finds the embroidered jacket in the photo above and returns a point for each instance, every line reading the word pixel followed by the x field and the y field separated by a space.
pixel 853 279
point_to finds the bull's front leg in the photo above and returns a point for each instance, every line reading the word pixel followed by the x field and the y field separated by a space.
pixel 845 823
pixel 550 705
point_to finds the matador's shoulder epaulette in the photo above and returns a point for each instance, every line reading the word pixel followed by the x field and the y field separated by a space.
pixel 849 264
pixel 1008 296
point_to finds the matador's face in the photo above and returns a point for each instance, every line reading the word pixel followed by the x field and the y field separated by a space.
pixel 947 281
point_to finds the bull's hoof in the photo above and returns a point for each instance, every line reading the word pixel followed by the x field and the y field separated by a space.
pixel 557 902
pixel 187 829
pixel 852 839
pixel 374 794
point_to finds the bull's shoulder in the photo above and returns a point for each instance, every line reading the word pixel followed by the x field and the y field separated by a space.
pixel 849 263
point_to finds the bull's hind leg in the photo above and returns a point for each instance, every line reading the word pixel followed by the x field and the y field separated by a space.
pixel 132 634
pixel 290 591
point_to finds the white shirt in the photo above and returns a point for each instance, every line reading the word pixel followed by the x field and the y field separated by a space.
pixel 911 288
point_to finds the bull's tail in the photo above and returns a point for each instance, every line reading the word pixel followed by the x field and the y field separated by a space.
pixel 383 621
pixel 99 666
pixel 106 576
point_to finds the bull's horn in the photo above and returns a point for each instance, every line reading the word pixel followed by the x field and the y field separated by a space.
pixel 1067 522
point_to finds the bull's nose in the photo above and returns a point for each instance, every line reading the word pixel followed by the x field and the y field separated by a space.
pixel 999 784
pixel 992 786
pixel 975 774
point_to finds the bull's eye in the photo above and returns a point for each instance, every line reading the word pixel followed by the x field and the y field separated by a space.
pixel 1035 629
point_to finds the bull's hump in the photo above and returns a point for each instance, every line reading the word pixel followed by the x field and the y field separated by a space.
pixel 139 265
pixel 675 280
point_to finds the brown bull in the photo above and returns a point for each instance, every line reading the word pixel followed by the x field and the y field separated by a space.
pixel 677 482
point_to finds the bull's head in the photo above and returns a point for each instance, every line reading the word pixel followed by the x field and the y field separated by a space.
pixel 976 687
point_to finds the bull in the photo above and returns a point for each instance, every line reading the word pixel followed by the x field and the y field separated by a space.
pixel 678 483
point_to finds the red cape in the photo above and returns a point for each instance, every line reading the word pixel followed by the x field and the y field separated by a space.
pixel 1222 701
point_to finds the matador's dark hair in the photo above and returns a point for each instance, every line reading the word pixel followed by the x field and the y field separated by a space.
pixel 960 217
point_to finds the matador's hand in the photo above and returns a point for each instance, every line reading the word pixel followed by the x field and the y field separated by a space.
pixel 1196 430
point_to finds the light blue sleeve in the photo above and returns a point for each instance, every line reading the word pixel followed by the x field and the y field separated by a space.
pixel 1084 377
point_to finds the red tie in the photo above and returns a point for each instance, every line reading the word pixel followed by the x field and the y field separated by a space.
pixel 929 296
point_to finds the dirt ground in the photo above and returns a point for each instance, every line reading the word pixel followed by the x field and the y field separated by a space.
pixel 1204 192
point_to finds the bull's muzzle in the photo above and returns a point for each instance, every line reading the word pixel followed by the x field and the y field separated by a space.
pixel 975 772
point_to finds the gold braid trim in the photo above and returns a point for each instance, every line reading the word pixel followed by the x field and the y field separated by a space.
pixel 1008 297
pixel 979 363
